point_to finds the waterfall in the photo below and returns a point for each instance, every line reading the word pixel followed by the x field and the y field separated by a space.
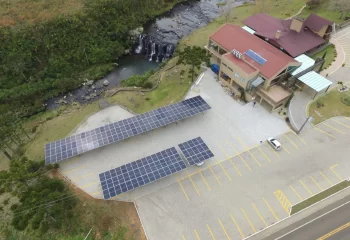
pixel 153 51
pixel 139 48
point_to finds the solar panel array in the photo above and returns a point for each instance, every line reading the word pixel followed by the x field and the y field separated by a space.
pixel 196 150
pixel 140 172
pixel 74 145
pixel 256 57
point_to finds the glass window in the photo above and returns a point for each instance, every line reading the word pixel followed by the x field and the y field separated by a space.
pixel 236 75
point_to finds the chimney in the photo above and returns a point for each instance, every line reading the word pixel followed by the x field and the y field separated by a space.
pixel 278 34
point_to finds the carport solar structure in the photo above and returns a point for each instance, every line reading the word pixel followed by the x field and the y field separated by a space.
pixel 74 145
pixel 140 172
pixel 195 150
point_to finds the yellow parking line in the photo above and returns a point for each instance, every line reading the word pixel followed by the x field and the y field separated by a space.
pixel 223 169
pixel 296 193
pixel 223 228
pixel 334 231
pixel 206 183
pixel 302 140
pixel 183 237
pixel 239 173
pixel 96 193
pixel 347 126
pixel 261 217
pixel 238 228
pixel 273 150
pixel 250 223
pixel 336 129
pixel 83 176
pixel 285 149
pixel 273 213
pixel 306 187
pixel 183 190
pixel 284 201
pixel 325 132
pixel 195 231
pixel 329 181
pixel 239 155
pixel 194 185
pixel 316 183
pixel 74 169
pixel 335 173
pixel 92 183
pixel 248 151
pixel 211 233
pixel 242 159
pixel 290 140
pixel 265 156
pixel 347 118
pixel 229 157
pixel 214 175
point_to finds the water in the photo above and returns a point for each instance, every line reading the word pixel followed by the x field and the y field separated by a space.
pixel 159 40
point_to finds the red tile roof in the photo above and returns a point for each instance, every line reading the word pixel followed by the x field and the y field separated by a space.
pixel 292 42
pixel 316 23
pixel 231 37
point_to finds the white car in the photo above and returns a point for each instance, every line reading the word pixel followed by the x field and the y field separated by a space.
pixel 199 164
pixel 274 143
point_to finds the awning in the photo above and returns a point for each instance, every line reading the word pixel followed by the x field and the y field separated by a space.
pixel 315 81
pixel 248 29
pixel 305 61
pixel 257 82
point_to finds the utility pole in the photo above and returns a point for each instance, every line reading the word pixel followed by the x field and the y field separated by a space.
pixel 303 125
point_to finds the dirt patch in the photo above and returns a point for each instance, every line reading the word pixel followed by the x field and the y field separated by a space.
pixel 106 216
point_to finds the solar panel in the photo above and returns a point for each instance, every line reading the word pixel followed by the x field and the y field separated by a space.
pixel 195 150
pixel 256 57
pixel 140 172
pixel 74 145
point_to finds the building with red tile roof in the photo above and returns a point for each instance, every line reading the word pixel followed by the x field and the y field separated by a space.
pixel 249 66
pixel 293 36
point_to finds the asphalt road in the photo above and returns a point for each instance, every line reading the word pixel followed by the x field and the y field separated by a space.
pixel 320 223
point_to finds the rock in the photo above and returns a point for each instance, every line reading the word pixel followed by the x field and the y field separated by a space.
pixel 115 64
pixel 127 51
pixel 87 98
pixel 93 87
pixel 105 82
pixel 93 95
pixel 89 82
pixel 136 32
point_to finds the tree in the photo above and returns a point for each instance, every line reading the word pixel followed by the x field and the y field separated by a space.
pixel 342 6
pixel 313 3
pixel 194 57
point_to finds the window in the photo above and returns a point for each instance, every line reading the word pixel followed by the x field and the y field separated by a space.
pixel 237 75
pixel 230 69
pixel 224 64
pixel 243 79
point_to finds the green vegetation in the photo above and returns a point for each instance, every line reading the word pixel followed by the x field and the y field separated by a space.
pixel 329 105
pixel 333 10
pixel 139 80
pixel 320 196
pixel 330 56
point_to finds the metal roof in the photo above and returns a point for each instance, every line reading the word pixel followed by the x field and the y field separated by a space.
pixel 315 81
pixel 248 29
pixel 305 61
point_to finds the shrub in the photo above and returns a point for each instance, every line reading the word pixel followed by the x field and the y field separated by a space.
pixel 147 85
pixel 343 65
pixel 49 118
pixel 6 201
pixel 345 99
pixel 319 104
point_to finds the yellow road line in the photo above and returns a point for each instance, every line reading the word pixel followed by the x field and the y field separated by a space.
pixel 335 231
pixel 194 185
pixel 248 151
pixel 183 190
pixel 306 187
pixel 74 169
pixel 325 132
pixel 183 237
pixel 96 192
pixel 195 231
pixel 92 183
pixel 336 129
pixel 223 228
pixel 206 183
pixel 211 233
pixel 290 140
pixel 214 175
pixel 285 149
pixel 347 126
pixel 318 185
pixel 250 223
pixel 302 140
pixel 265 156
pixel 223 169
pixel 329 181
pixel 261 217
pixel 273 150
pixel 84 176
pixel 284 201
pixel 335 173
pixel 296 193
pixel 239 230
pixel 273 213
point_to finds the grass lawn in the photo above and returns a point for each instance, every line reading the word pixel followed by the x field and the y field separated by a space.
pixel 318 197
pixel 332 106
pixel 329 57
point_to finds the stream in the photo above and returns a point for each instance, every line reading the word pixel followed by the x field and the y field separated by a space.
pixel 155 45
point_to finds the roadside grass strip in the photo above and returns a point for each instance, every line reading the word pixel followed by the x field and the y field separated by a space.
pixel 319 196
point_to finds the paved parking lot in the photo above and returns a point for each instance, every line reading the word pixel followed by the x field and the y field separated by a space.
pixel 239 196
pixel 228 125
